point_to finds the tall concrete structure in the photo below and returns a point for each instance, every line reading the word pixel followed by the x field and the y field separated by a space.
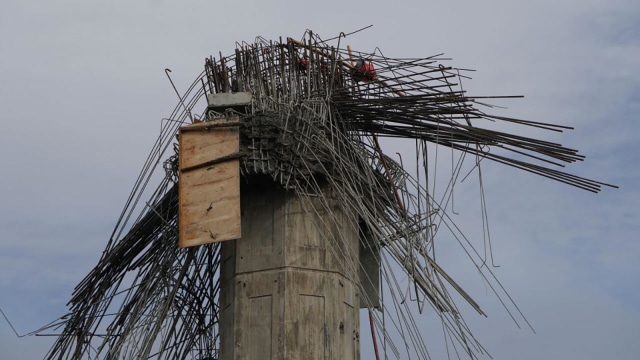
pixel 288 291
pixel 290 265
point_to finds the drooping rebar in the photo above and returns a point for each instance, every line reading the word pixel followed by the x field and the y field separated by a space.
pixel 316 118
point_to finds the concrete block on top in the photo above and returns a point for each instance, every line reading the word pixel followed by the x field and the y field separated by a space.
pixel 222 100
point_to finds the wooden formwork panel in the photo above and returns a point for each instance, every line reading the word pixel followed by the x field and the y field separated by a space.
pixel 209 183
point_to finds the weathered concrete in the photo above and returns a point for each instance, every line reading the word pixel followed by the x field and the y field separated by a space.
pixel 229 99
pixel 223 101
pixel 287 292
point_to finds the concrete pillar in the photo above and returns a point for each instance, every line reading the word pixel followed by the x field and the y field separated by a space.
pixel 286 293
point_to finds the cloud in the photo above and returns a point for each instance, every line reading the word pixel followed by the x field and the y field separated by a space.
pixel 84 92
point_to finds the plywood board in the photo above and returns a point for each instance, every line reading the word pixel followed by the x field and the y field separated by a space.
pixel 206 141
pixel 209 184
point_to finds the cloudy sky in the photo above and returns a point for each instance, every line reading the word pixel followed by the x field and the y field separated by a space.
pixel 82 94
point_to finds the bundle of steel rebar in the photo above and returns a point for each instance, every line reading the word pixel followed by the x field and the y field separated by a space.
pixel 317 113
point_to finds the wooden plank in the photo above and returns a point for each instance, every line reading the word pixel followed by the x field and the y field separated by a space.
pixel 197 147
pixel 209 185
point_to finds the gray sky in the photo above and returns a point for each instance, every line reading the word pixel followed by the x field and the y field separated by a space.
pixel 82 93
